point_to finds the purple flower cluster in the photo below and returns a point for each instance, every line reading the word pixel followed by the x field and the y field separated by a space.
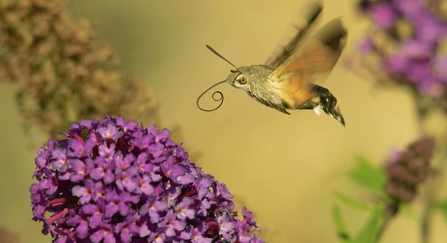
pixel 406 39
pixel 115 181
pixel 407 169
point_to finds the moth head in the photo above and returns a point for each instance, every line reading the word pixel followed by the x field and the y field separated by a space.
pixel 238 79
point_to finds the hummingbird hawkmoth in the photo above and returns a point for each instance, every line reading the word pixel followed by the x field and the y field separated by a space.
pixel 286 80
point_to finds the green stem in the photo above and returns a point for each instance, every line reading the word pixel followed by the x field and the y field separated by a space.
pixel 431 196
pixel 422 112
pixel 391 209
pixel 426 214
pixel 421 115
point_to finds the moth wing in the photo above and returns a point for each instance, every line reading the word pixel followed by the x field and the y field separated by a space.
pixel 314 59
pixel 309 16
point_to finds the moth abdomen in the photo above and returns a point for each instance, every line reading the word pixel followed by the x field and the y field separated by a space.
pixel 323 100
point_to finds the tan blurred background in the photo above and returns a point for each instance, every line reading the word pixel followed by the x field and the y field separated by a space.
pixel 281 167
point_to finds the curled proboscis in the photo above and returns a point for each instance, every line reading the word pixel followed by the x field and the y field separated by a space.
pixel 217 96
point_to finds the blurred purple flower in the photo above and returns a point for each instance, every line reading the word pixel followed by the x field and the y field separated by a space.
pixel 405 47
pixel 114 181
pixel 407 169
pixel 366 45
pixel 383 14
pixel 440 68
pixel 397 64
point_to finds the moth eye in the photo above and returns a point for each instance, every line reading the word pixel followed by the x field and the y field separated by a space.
pixel 241 79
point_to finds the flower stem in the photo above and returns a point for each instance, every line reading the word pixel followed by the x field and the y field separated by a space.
pixel 426 215
pixel 431 195
pixel 422 112
pixel 391 209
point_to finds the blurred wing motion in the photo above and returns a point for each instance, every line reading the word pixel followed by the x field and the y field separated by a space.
pixel 300 63
pixel 283 52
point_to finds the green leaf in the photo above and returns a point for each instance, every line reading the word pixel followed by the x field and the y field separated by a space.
pixel 368 176
pixel 351 201
pixel 340 227
pixel 369 232
pixel 441 206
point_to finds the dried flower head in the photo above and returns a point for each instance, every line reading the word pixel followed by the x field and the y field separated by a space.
pixel 405 45
pixel 62 71
pixel 7 237
pixel 115 181
pixel 407 169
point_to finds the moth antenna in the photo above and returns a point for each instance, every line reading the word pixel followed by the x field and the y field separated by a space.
pixel 221 98
pixel 217 54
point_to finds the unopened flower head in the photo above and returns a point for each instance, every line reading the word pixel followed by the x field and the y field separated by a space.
pixel 407 169
pixel 115 181
pixel 63 72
